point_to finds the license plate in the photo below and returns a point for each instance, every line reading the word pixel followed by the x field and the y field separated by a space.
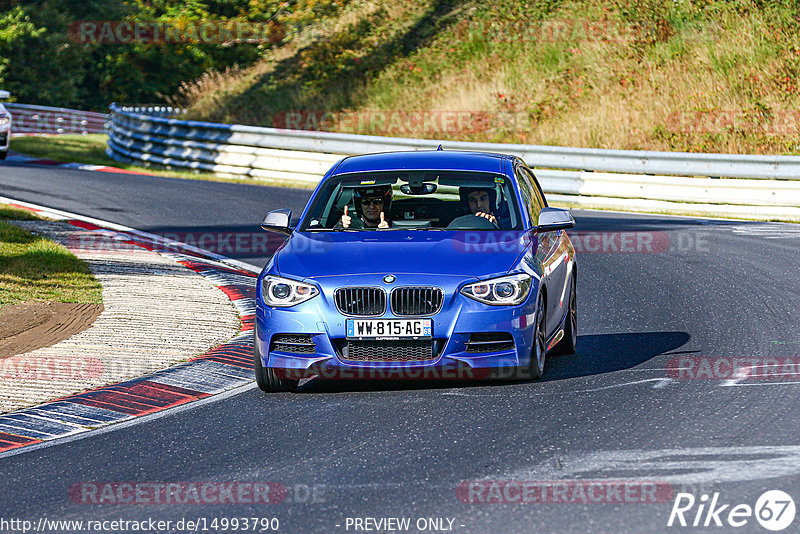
pixel 389 328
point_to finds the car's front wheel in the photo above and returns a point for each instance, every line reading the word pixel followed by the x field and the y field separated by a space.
pixel 539 352
pixel 570 339
pixel 266 378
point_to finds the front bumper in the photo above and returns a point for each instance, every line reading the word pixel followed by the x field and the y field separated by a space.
pixel 459 317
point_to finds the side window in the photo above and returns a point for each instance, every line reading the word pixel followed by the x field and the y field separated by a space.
pixel 538 203
pixel 537 189
pixel 529 197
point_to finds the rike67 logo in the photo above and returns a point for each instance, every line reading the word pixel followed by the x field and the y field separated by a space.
pixel 774 510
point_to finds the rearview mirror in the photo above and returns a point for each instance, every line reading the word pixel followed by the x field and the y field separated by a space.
pixel 551 219
pixel 418 188
pixel 278 221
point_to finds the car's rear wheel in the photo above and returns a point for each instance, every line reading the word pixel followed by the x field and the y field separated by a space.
pixel 570 339
pixel 539 352
pixel 266 378
pixel 3 154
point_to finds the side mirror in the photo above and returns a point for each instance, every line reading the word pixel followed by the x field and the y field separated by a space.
pixel 4 95
pixel 278 221
pixel 551 219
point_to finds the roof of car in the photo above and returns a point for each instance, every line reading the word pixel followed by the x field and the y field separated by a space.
pixel 442 160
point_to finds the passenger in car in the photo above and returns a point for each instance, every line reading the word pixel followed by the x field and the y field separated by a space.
pixel 372 206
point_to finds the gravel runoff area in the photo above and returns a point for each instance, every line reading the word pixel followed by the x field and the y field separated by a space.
pixel 156 313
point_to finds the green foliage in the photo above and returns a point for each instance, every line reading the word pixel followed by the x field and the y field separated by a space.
pixel 577 72
pixel 40 64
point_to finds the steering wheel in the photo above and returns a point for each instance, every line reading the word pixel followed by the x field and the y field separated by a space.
pixel 472 222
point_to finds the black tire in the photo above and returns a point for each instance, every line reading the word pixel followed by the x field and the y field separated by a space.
pixel 3 154
pixel 539 352
pixel 266 378
pixel 570 339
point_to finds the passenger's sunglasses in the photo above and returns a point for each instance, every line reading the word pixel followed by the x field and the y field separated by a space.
pixel 371 201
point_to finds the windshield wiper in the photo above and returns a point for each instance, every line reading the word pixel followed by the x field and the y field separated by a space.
pixel 340 229
pixel 418 229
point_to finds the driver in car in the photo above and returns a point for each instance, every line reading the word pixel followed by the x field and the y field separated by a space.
pixel 480 201
pixel 372 204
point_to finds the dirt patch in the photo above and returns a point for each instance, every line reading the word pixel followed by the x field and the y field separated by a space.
pixel 30 326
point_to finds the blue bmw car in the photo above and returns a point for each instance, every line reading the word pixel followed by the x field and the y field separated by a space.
pixel 428 264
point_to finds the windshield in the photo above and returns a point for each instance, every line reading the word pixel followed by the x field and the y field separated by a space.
pixel 416 200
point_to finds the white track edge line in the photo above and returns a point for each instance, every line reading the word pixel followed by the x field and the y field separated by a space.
pixel 113 427
pixel 60 214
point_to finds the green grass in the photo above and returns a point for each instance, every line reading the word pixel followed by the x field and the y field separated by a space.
pixel 90 149
pixel 33 268
pixel 10 213
pixel 68 148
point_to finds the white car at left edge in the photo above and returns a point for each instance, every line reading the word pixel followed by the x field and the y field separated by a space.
pixel 5 126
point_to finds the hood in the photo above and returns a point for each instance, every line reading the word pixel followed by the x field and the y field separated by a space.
pixel 468 254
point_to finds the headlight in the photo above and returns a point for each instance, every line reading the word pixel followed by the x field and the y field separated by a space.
pixel 282 292
pixel 5 119
pixel 506 290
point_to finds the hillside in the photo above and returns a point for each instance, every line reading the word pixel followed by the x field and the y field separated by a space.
pixel 711 75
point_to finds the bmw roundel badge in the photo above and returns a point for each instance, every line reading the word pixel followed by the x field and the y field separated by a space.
pixel 389 278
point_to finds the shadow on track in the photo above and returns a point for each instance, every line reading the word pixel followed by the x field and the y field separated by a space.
pixel 597 354
pixel 606 353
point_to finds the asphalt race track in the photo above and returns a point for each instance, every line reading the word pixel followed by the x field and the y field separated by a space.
pixel 682 299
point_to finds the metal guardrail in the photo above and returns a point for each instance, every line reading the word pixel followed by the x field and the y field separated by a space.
pixel 29 119
pixel 752 186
